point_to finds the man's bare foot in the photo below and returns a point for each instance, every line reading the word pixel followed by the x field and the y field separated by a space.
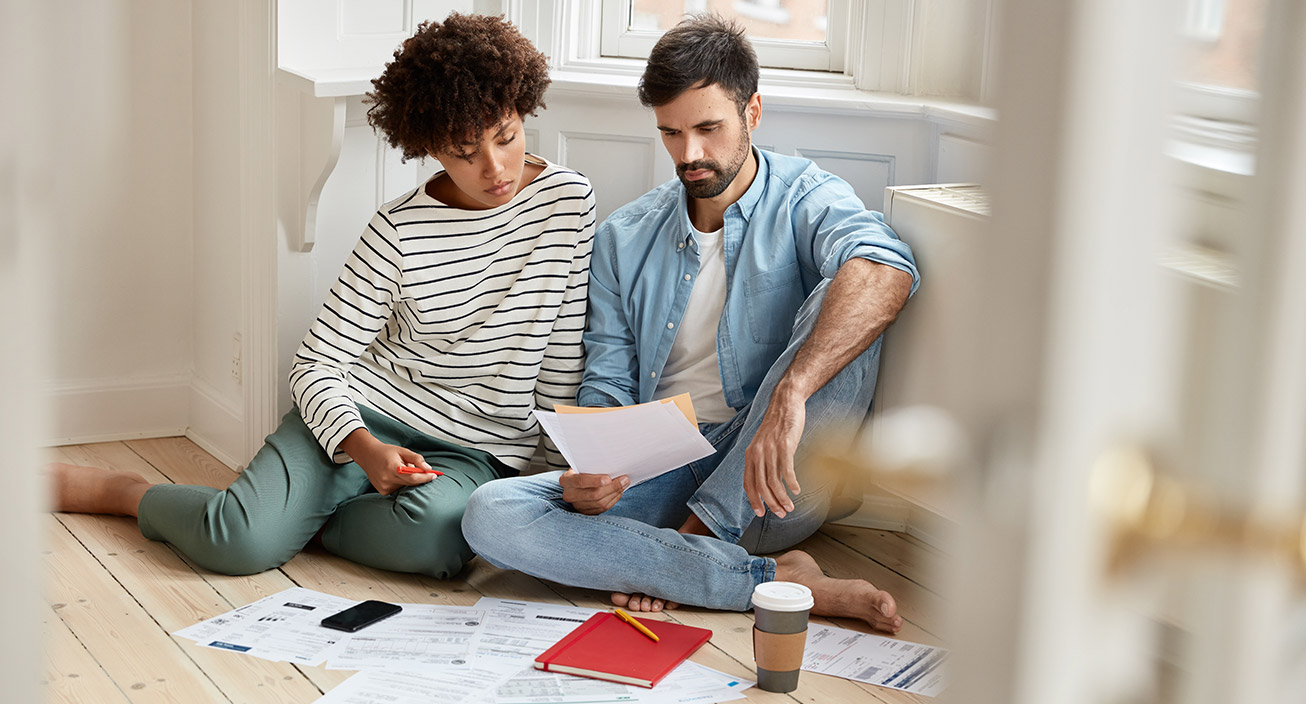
pixel 641 602
pixel 95 489
pixel 695 526
pixel 846 598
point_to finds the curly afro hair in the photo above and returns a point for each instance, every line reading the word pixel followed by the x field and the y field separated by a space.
pixel 450 82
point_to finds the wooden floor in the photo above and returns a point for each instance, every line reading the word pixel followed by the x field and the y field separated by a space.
pixel 114 597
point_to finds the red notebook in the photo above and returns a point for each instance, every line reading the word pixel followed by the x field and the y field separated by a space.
pixel 607 648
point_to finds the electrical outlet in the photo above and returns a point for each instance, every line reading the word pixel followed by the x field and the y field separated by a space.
pixel 235 358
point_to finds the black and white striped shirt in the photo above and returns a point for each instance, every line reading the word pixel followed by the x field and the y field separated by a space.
pixel 456 322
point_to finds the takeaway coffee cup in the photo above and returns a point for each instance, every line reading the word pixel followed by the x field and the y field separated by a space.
pixel 779 633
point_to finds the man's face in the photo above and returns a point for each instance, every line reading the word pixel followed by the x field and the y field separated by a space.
pixel 706 138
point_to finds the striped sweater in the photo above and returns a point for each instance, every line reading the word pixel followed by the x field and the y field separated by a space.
pixel 456 322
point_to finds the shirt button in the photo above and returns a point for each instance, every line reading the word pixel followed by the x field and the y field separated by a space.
pixel 652 374
pixel 680 246
pixel 670 325
pixel 686 277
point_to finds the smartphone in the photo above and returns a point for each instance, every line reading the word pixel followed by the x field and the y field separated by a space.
pixel 361 615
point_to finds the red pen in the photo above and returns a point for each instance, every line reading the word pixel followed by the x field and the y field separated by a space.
pixel 418 470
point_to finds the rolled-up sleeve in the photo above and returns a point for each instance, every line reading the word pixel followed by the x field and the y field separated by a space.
pixel 837 227
pixel 611 363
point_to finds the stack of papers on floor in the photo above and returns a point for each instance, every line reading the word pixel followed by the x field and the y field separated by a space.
pixel 433 653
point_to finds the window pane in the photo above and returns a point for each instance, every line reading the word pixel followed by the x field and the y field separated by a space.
pixel 785 20
pixel 1225 40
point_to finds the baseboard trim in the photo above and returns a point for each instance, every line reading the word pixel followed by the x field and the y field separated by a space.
pixel 881 512
pixel 216 425
pixel 98 410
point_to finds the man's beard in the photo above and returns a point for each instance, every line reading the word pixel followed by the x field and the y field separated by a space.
pixel 715 185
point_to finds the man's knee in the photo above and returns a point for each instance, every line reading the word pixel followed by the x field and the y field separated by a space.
pixel 496 517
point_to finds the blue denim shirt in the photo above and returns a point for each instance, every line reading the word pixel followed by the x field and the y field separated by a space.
pixel 793 227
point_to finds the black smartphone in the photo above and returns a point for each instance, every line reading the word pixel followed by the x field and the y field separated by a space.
pixel 361 615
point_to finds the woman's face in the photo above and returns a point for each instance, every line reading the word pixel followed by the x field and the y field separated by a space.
pixel 486 173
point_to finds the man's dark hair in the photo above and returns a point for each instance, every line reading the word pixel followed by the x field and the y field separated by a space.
pixel 701 51
pixel 450 82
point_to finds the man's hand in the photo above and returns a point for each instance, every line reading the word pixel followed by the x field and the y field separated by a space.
pixel 769 459
pixel 592 494
pixel 381 462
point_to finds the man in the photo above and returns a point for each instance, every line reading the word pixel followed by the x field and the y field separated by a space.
pixel 760 285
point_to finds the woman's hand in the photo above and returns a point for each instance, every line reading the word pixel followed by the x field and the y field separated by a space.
pixel 381 462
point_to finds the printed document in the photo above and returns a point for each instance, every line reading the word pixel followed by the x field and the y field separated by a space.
pixel 421 636
pixel 897 664
pixel 641 441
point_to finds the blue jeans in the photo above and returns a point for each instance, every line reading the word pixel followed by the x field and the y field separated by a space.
pixel 522 523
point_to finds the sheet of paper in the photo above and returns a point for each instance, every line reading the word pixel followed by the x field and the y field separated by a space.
pixel 682 401
pixel 639 441
pixel 205 630
pixel 692 683
pixel 533 686
pixel 514 633
pixel 283 627
pixel 898 664
pixel 421 636
pixel 416 687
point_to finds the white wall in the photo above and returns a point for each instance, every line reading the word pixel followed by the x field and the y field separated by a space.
pixel 216 416
pixel 120 311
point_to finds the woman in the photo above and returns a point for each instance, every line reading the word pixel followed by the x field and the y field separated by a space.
pixel 459 311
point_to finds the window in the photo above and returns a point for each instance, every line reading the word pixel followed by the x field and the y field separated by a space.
pixel 796 34
pixel 1221 58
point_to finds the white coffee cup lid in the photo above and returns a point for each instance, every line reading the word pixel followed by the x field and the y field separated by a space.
pixel 783 596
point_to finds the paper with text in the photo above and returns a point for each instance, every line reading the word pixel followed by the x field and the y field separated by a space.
pixel 641 441
pixel 887 662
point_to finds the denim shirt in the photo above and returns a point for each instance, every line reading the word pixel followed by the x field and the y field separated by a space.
pixel 793 227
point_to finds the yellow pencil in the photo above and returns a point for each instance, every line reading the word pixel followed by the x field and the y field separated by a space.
pixel 631 620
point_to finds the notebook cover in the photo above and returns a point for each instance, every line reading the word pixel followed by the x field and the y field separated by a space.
pixel 607 648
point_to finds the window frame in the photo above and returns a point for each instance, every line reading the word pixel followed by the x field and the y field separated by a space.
pixel 618 41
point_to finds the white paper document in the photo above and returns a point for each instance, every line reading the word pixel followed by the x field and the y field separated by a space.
pixel 419 637
pixel 639 441
pixel 514 633
pixel 416 687
pixel 898 664
pixel 284 627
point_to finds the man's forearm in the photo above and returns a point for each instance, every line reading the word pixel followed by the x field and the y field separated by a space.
pixel 862 300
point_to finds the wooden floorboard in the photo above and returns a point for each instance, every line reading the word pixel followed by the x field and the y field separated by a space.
pixel 115 596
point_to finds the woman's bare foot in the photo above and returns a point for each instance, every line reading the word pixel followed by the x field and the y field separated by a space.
pixel 641 602
pixel 846 598
pixel 95 489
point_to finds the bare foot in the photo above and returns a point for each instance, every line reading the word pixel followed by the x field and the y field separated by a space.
pixel 641 602
pixel 846 598
pixel 695 526
pixel 95 489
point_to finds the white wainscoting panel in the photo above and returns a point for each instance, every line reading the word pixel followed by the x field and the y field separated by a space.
pixel 869 174
pixel 366 18
pixel 215 424
pixel 620 167
pixel 345 33
pixel 103 410
pixel 961 160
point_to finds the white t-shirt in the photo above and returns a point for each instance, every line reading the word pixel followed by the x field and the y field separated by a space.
pixel 692 364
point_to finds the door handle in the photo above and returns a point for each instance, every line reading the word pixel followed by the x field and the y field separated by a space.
pixel 1147 511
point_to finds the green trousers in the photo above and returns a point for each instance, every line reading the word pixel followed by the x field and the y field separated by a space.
pixel 292 489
